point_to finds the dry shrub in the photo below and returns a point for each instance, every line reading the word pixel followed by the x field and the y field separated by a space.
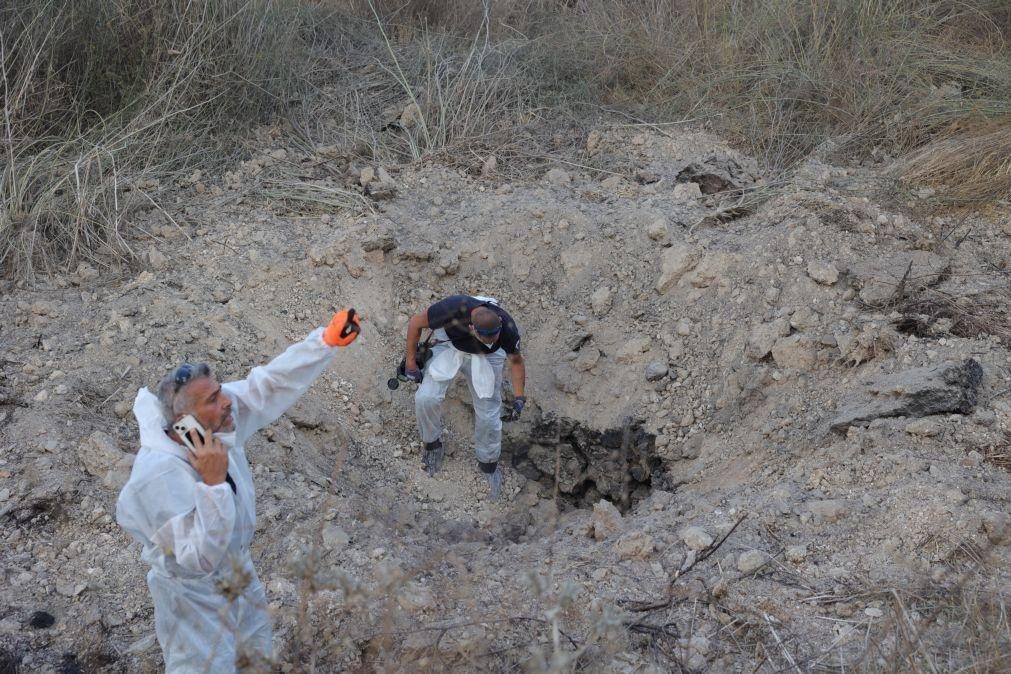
pixel 969 163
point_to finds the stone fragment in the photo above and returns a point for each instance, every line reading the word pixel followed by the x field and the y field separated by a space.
pixel 914 393
pixel 696 538
pixel 606 520
pixel 751 561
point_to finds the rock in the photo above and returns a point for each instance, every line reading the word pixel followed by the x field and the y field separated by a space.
pixel 829 510
pixel 379 238
pixel 415 597
pixel 684 327
pixel 587 358
pixel 926 428
pixel 411 116
pixel 873 612
pixel 879 279
pixel 156 259
pixel 696 538
pixel 612 183
pixel 717 174
pixel 335 538
pixel 636 545
pixel 867 343
pixel 918 392
pixel 367 176
pixel 632 350
pixel 600 301
pixel 384 176
pixel 751 561
pixel 822 272
pixel 489 166
pixel 69 588
pixel 656 370
pixel 99 454
pixel 657 229
pixel 687 191
pixel 795 352
pixel 606 520
pixel 593 141
pixel 997 527
pixel 558 177
pixel 764 336
pixel 805 318
pixel 120 473
pixel 674 263
pixel 796 553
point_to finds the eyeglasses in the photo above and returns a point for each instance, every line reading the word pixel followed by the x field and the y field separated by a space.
pixel 188 371
pixel 489 332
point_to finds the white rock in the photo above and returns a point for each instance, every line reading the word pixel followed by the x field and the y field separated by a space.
pixel 600 301
pixel 606 520
pixel 926 428
pixel 796 553
pixel 156 259
pixel 687 191
pixel 489 165
pixel 674 263
pixel 636 545
pixel 367 176
pixel 822 272
pixel 335 538
pixel 100 454
pixel 657 229
pixel 557 176
pixel 656 370
pixel 795 352
pixel 684 327
pixel 632 350
pixel 764 336
pixel 696 538
pixel 750 561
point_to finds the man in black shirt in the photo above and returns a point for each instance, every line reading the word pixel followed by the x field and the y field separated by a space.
pixel 476 335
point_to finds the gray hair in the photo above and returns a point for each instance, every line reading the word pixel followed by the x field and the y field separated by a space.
pixel 173 384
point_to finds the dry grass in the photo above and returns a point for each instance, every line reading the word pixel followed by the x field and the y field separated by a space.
pixel 100 97
pixel 968 164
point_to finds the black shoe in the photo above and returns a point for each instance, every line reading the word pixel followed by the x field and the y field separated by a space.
pixel 431 460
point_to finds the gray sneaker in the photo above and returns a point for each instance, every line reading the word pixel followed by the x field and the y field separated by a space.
pixel 431 460
pixel 495 483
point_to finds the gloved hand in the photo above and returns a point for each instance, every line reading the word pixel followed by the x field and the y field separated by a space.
pixel 518 403
pixel 343 329
pixel 414 374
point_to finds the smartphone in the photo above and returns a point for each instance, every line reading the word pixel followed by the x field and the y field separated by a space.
pixel 184 427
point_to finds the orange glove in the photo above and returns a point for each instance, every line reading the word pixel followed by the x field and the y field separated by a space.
pixel 343 329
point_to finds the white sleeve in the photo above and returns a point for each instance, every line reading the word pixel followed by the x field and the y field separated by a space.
pixel 271 389
pixel 199 538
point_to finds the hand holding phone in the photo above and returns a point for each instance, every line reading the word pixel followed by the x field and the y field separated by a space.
pixel 186 425
pixel 208 456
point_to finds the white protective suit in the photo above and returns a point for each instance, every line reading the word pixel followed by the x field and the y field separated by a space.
pixel 483 373
pixel 195 536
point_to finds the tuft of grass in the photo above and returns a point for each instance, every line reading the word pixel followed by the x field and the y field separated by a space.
pixel 968 163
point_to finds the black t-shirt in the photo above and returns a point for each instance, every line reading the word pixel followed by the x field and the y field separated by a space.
pixel 453 315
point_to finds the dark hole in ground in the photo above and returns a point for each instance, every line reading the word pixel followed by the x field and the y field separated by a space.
pixel 619 464
pixel 41 620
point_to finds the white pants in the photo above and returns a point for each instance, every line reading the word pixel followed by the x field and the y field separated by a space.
pixel 200 631
pixel 487 411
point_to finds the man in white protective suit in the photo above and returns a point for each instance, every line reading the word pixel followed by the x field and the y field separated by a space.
pixel 194 511
pixel 473 335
